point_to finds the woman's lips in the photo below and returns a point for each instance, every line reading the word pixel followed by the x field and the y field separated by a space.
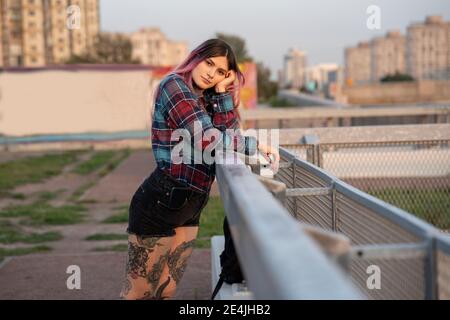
pixel 206 81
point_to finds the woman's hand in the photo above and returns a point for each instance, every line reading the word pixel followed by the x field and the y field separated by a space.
pixel 229 79
pixel 272 155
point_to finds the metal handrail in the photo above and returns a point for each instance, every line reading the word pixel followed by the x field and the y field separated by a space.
pixel 278 258
pixel 429 239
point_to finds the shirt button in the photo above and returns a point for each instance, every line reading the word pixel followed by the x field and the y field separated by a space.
pixel 167 193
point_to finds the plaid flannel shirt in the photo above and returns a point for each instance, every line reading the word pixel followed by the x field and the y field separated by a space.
pixel 177 107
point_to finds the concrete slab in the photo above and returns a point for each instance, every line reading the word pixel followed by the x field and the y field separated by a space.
pixel 121 184
pixel 44 276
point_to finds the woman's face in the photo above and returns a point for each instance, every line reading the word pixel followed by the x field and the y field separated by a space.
pixel 210 72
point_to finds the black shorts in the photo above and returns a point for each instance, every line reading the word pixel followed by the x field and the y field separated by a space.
pixel 161 204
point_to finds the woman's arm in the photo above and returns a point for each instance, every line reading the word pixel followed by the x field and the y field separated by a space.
pixel 269 152
pixel 184 111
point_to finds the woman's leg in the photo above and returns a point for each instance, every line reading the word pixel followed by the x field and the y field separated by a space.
pixel 180 251
pixel 147 258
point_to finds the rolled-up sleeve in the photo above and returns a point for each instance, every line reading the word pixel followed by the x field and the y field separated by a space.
pixel 184 111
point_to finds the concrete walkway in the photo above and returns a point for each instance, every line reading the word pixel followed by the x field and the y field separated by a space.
pixel 43 276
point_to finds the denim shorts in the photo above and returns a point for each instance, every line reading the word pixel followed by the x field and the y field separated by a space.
pixel 161 204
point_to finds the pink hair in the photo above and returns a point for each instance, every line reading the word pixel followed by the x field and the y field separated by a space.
pixel 202 52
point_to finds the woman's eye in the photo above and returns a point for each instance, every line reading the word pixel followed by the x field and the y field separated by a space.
pixel 221 73
pixel 208 63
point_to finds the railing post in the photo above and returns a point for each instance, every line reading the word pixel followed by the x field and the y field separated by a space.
pixel 312 156
pixel 335 219
pixel 276 188
pixel 319 159
pixel 335 245
pixel 431 290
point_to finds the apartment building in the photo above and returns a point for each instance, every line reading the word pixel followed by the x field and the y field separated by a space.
pixel 428 49
pixel 151 46
pixel 35 33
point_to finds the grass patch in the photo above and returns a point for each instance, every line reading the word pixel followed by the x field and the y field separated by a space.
pixel 115 162
pixel 98 160
pixel 211 220
pixel 432 206
pixel 48 195
pixel 22 251
pixel 106 236
pixel 122 207
pixel 86 201
pixel 121 247
pixel 117 218
pixel 106 160
pixel 13 195
pixel 81 190
pixel 121 217
pixel 203 243
pixel 12 234
pixel 33 169
pixel 40 213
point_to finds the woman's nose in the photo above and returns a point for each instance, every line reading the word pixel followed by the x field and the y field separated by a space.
pixel 210 73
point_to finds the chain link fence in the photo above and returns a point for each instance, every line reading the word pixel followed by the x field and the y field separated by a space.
pixel 411 175
pixel 412 257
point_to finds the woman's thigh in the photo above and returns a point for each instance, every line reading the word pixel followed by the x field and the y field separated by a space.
pixel 182 246
pixel 156 265
pixel 147 259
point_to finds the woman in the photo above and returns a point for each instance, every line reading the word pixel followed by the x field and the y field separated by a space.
pixel 165 210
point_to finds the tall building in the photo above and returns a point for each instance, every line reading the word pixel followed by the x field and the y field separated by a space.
pixel 294 69
pixel 424 54
pixel 358 64
pixel 39 32
pixel 387 55
pixel 428 49
pixel 321 74
pixel 150 46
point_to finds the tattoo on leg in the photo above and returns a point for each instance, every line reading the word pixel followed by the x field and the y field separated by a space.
pixel 177 264
pixel 155 274
pixel 161 288
pixel 158 295
pixel 149 243
pixel 137 259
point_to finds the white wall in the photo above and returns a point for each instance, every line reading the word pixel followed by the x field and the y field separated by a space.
pixel 61 101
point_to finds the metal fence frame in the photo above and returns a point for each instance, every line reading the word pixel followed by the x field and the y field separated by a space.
pixel 431 239
pixel 279 260
pixel 312 151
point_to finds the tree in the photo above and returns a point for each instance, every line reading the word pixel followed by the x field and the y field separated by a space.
pixel 266 87
pixel 238 45
pixel 397 77
pixel 108 48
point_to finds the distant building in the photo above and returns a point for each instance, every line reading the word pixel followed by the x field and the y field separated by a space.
pixel 321 75
pixel 423 54
pixel 387 55
pixel 150 46
pixel 294 68
pixel 428 49
pixel 358 64
pixel 35 33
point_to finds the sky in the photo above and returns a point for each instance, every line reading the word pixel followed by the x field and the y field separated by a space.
pixel 321 28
